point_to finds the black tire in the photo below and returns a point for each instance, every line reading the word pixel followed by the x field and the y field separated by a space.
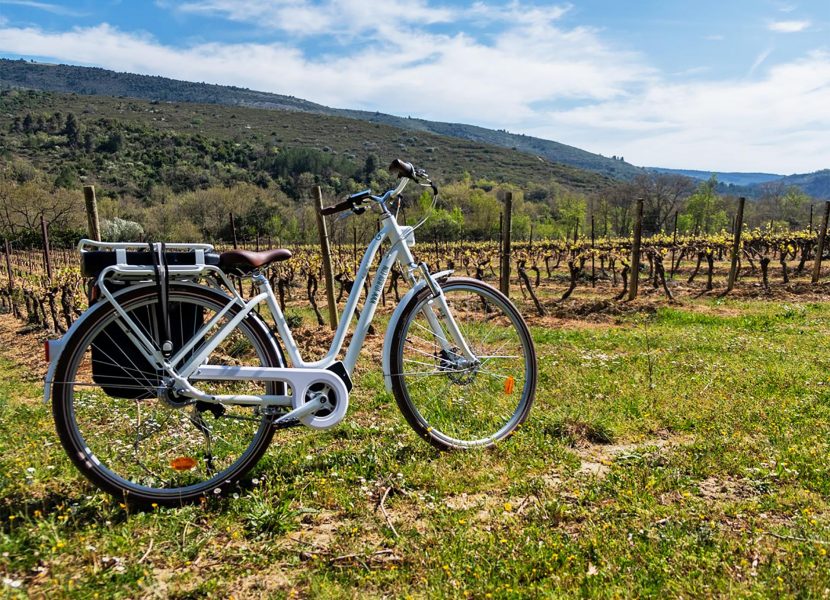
pixel 439 426
pixel 77 351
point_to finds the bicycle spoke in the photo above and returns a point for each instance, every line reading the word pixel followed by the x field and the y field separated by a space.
pixel 141 439
pixel 461 403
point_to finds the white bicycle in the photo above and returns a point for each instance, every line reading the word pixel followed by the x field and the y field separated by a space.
pixel 171 386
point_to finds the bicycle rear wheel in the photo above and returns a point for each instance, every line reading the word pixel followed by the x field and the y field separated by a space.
pixel 135 441
pixel 449 401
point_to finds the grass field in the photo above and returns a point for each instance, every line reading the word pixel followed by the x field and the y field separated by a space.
pixel 676 451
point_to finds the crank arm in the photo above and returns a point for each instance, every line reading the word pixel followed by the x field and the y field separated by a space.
pixel 299 380
pixel 300 412
pixel 184 388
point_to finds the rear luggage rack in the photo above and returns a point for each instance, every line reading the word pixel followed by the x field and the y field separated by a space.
pixel 115 267
pixel 129 260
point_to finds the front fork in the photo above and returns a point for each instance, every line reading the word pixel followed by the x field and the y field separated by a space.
pixel 439 302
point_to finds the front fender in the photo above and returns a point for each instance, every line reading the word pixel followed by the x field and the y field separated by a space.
pixel 393 322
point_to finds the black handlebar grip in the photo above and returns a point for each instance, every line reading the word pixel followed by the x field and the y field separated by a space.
pixel 403 169
pixel 339 207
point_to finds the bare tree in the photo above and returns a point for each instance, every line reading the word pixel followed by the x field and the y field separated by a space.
pixel 22 204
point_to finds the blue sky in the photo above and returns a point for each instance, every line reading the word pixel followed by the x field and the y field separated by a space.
pixel 728 85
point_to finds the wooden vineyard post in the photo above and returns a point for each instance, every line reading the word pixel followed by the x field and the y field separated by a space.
pixel 11 278
pixel 593 268
pixel 9 264
pixel 233 232
pixel 736 246
pixel 810 230
pixel 635 250
pixel 93 225
pixel 501 235
pixel 504 283
pixel 821 240
pixel 326 251
pixel 47 258
pixel 673 246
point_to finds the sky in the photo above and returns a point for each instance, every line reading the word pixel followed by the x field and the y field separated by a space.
pixel 726 85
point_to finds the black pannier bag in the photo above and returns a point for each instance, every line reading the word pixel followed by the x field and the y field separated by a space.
pixel 121 369
pixel 118 366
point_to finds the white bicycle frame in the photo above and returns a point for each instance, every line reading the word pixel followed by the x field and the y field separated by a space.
pixel 301 375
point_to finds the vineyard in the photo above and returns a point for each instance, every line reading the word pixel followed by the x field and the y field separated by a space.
pixel 677 448
pixel 49 292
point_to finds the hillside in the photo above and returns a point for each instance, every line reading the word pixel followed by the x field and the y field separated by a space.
pixel 95 81
pixel 815 184
pixel 752 185
pixel 131 145
pixel 735 179
pixel 553 151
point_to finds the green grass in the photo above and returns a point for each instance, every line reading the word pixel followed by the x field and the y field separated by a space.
pixel 709 423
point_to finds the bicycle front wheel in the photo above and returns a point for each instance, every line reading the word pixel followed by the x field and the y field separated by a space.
pixel 133 439
pixel 449 400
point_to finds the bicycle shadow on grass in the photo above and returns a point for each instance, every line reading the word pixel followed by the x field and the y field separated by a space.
pixel 79 510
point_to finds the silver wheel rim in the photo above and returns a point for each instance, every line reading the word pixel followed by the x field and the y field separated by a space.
pixel 117 433
pixel 441 410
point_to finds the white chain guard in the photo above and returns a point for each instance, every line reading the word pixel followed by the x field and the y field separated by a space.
pixel 300 380
pixel 328 421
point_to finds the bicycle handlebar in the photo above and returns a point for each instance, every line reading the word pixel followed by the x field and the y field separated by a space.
pixel 404 170
pixel 339 207
pixel 351 203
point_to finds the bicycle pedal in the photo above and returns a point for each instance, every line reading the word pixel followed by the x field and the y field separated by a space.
pixel 287 424
pixel 217 410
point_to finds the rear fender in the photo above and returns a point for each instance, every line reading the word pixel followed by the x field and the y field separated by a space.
pixel 56 347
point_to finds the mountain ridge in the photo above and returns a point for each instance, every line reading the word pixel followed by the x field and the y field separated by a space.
pixel 98 81
pixel 816 184
pixel 727 177
pixel 104 82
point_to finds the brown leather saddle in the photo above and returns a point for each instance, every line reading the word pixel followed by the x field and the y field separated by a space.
pixel 245 261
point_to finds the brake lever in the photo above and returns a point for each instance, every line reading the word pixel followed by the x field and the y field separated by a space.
pixel 357 210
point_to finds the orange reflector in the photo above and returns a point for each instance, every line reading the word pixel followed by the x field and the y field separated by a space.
pixel 46 351
pixel 183 463
pixel 509 384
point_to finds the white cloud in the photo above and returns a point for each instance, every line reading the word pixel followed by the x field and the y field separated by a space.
pixel 778 123
pixel 448 77
pixel 56 9
pixel 530 74
pixel 338 17
pixel 786 8
pixel 759 60
pixel 788 26
pixel 516 12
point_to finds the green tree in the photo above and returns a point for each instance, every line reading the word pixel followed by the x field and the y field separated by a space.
pixel 369 167
pixel 704 211
pixel 569 212
pixel 72 131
